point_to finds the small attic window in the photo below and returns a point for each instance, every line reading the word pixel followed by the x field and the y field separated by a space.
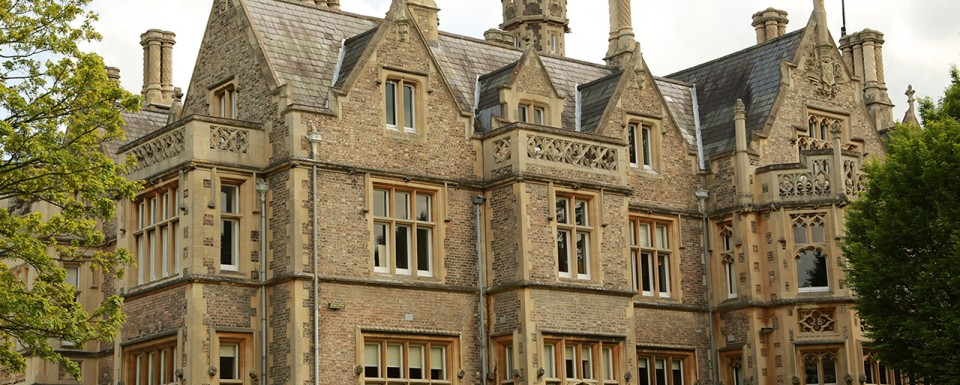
pixel 404 104
pixel 531 113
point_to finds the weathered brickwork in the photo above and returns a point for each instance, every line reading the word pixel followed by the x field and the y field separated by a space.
pixel 157 313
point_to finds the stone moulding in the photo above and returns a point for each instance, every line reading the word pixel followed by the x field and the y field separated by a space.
pixel 160 149
pixel 229 139
pixel 573 153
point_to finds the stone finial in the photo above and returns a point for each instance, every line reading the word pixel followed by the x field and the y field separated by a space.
pixel 740 110
pixel 911 116
pixel 176 108
pixel 820 16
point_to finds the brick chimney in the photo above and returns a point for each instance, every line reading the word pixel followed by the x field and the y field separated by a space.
pixel 157 67
pixel 622 40
pixel 863 55
pixel 770 24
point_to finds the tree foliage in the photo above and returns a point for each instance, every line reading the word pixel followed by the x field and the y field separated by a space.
pixel 58 108
pixel 903 246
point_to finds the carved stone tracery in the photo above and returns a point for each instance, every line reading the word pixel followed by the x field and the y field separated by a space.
pixel 229 139
pixel 572 153
pixel 160 149
pixel 816 321
pixel 502 150
pixel 808 183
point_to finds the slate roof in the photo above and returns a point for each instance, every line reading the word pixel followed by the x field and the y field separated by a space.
pixel 679 99
pixel 352 50
pixel 752 75
pixel 138 125
pixel 488 102
pixel 594 98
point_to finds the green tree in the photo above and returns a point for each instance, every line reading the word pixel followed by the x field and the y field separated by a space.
pixel 903 246
pixel 58 108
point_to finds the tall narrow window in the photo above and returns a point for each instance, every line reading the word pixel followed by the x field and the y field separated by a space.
pixel 229 362
pixel 156 237
pixel 403 231
pixel 229 228
pixel 812 266
pixel 573 236
pixel 225 102
pixel 650 257
pixel 400 105
pixel 641 147
pixel 728 261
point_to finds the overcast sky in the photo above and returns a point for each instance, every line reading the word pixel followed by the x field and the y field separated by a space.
pixel 922 38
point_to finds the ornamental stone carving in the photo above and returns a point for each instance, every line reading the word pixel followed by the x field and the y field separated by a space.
pixel 816 321
pixel 853 183
pixel 229 139
pixel 502 150
pixel 162 148
pixel 808 143
pixel 572 153
pixel 824 73
pixel 807 184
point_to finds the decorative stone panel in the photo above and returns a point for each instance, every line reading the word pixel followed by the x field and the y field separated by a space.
pixel 229 139
pixel 502 149
pixel 572 153
pixel 807 184
pixel 816 321
pixel 165 147
pixel 853 183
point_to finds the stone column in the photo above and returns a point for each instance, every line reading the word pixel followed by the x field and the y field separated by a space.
pixel 166 67
pixel 858 60
pixel 152 89
pixel 621 32
pixel 869 63
pixel 743 170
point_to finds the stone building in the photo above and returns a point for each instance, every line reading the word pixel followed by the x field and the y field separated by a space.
pixel 343 199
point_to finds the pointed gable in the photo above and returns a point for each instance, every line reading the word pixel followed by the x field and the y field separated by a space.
pixel 752 75
pixel 594 99
pixel 531 77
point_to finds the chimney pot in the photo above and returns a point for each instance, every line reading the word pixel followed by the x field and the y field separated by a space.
pixel 770 24
pixel 113 73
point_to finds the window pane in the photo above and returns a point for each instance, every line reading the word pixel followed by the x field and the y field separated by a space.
pixel 140 262
pixel 829 369
pixel 415 362
pixel 811 369
pixel 228 237
pixel 381 204
pixel 570 361
pixel 438 363
pixel 409 107
pixel 228 199
pixel 562 210
pixel 812 270
pixel 583 253
pixel 646 267
pixel 403 248
pixel 816 232
pixel 380 256
pixel 632 140
pixel 371 360
pixel 586 362
pixel 228 362
pixel 663 273
pixel 391 104
pixel 677 371
pixel 633 233
pixel 607 361
pixel 563 251
pixel 537 116
pixel 645 235
pixel 550 361
pixel 424 208
pixel 522 113
pixel 508 362
pixel 799 233
pixel 663 242
pixel 883 376
pixel 401 205
pixel 580 213
pixel 647 149
pixel 644 372
pixel 152 239
pixel 394 361
pixel 731 278
pixel 424 249
pixel 73 276
pixel 634 267
pixel 661 370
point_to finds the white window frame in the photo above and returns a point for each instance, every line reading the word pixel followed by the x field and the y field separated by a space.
pixel 419 202
pixel 650 251
pixel 575 230
pixel 397 88
pixel 230 216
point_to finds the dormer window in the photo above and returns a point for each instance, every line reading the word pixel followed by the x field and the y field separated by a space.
pixel 640 137
pixel 401 105
pixel 531 113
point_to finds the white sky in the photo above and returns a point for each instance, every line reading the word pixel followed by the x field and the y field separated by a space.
pixel 922 38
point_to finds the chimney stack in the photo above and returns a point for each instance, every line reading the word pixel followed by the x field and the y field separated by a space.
pixel 157 67
pixel 113 73
pixel 426 14
pixel 863 55
pixel 499 36
pixel 770 24
pixel 622 40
